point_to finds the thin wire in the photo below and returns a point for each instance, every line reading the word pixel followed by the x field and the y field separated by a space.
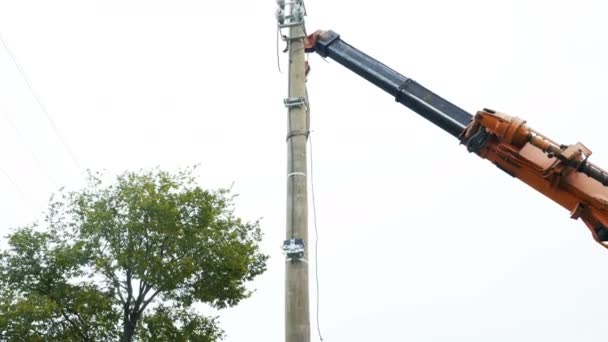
pixel 24 197
pixel 314 218
pixel 292 166
pixel 303 28
pixel 305 35
pixel 278 54
pixel 30 149
pixel 292 183
pixel 40 104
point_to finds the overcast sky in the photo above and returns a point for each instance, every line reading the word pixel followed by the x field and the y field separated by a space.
pixel 419 240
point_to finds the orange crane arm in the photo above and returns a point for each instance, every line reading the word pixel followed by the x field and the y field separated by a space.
pixel 561 172
pixel 550 168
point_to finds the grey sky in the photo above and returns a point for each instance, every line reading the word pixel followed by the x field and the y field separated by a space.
pixel 419 240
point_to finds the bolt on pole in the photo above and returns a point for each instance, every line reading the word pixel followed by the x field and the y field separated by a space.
pixel 290 17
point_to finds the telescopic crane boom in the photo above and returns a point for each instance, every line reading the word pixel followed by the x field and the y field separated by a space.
pixel 560 172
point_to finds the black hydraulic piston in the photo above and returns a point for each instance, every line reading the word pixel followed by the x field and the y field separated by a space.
pixel 408 92
pixel 405 90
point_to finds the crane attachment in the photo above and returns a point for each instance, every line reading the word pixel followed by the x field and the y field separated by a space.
pixel 560 172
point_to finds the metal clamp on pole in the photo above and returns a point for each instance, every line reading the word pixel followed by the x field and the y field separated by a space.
pixel 293 134
pixel 291 102
pixel 293 248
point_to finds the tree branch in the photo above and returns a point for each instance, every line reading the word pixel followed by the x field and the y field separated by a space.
pixel 73 324
pixel 115 284
pixel 142 285
pixel 149 300
pixel 64 314
pixel 129 292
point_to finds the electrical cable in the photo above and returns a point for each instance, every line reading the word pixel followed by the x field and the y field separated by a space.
pixel 291 168
pixel 314 219
pixel 278 54
pixel 26 199
pixel 40 104
pixel 30 149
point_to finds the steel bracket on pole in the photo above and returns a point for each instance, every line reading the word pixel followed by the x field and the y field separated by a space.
pixel 294 37
pixel 291 24
pixel 293 248
pixel 292 102
pixel 294 18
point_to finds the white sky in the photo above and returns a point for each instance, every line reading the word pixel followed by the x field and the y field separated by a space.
pixel 420 240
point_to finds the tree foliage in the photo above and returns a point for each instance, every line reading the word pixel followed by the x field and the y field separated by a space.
pixel 128 261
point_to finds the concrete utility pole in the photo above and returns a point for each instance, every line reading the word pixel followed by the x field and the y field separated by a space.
pixel 290 16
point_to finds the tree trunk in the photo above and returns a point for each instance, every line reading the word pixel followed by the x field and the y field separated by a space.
pixel 129 326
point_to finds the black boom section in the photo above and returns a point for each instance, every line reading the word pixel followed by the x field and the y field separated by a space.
pixel 406 91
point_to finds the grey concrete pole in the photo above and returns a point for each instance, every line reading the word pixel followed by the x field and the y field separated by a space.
pixel 297 315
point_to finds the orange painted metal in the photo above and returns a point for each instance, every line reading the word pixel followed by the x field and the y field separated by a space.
pixel 544 165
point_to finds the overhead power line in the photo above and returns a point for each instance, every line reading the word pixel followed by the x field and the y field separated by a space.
pixel 26 199
pixel 36 97
pixel 30 149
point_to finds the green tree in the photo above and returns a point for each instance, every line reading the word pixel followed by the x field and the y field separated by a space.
pixel 128 261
